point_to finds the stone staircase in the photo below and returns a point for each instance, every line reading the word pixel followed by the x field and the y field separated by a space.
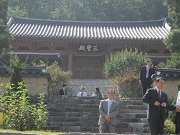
pixel 80 114
pixel 132 117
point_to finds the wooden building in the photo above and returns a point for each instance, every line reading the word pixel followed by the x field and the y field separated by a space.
pixel 85 46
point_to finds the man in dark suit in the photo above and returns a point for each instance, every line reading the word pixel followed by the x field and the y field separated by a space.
pixel 145 76
pixel 157 102
pixel 108 110
pixel 63 90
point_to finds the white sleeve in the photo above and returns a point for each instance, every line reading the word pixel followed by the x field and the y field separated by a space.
pixel 85 94
pixel 79 94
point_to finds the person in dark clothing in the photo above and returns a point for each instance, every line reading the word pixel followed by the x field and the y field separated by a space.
pixel 145 76
pixel 63 91
pixel 97 93
pixel 157 101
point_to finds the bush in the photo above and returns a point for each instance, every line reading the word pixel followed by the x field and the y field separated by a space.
pixel 16 69
pixel 123 68
pixel 178 85
pixel 57 78
pixel 174 61
pixel 172 114
pixel 19 114
pixel 170 126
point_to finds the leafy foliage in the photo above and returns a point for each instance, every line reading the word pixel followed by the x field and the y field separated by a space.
pixel 170 127
pixel 16 69
pixel 3 11
pixel 174 62
pixel 173 41
pixel 19 114
pixel 89 10
pixel 57 78
pixel 173 11
pixel 5 36
pixel 178 85
pixel 123 69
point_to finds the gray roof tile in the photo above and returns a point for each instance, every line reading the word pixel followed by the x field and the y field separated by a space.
pixel 23 27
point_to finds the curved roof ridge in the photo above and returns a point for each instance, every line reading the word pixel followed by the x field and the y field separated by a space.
pixel 68 22
pixel 26 27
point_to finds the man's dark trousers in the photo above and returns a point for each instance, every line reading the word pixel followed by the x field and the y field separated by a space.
pixel 146 84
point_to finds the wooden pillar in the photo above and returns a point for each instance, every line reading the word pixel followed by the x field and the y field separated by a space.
pixel 70 62
pixel 106 57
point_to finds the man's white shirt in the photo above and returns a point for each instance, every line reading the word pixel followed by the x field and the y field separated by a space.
pixel 109 104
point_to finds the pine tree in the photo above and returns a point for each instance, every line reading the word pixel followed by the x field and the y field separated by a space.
pixel 16 69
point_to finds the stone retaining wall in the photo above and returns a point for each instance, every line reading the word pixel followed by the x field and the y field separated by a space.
pixel 90 84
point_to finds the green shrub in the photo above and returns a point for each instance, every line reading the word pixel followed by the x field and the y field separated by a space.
pixel 170 126
pixel 17 67
pixel 178 85
pixel 19 114
pixel 57 78
pixel 123 69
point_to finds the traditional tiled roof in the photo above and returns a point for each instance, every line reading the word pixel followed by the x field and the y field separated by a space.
pixel 30 71
pixel 41 28
pixel 158 59
pixel 172 74
pixel 25 55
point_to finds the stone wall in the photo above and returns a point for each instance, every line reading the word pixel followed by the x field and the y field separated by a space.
pixel 38 84
pixel 35 84
pixel 90 84
pixel 170 89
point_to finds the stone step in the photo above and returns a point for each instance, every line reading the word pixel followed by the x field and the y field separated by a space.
pixel 131 111
pixel 90 114
pixel 83 114
pixel 77 123
pixel 91 101
pixel 132 102
pixel 92 110
pixel 132 115
pixel 58 109
pixel 122 125
pixel 68 99
pixel 121 130
pixel 138 120
pixel 93 129
pixel 64 128
pixel 68 105
pixel 65 105
pixel 144 120
pixel 137 107
pixel 80 110
pixel 137 127
pixel 65 114
pixel 138 111
pixel 63 119
pixel 89 105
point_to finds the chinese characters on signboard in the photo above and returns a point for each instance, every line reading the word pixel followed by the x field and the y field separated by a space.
pixel 89 48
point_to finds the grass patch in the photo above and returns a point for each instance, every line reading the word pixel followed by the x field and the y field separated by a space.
pixel 31 132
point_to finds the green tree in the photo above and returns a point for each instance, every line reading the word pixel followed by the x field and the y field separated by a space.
pixel 173 41
pixel 19 113
pixel 123 69
pixel 89 10
pixel 57 78
pixel 174 62
pixel 5 36
pixel 16 69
